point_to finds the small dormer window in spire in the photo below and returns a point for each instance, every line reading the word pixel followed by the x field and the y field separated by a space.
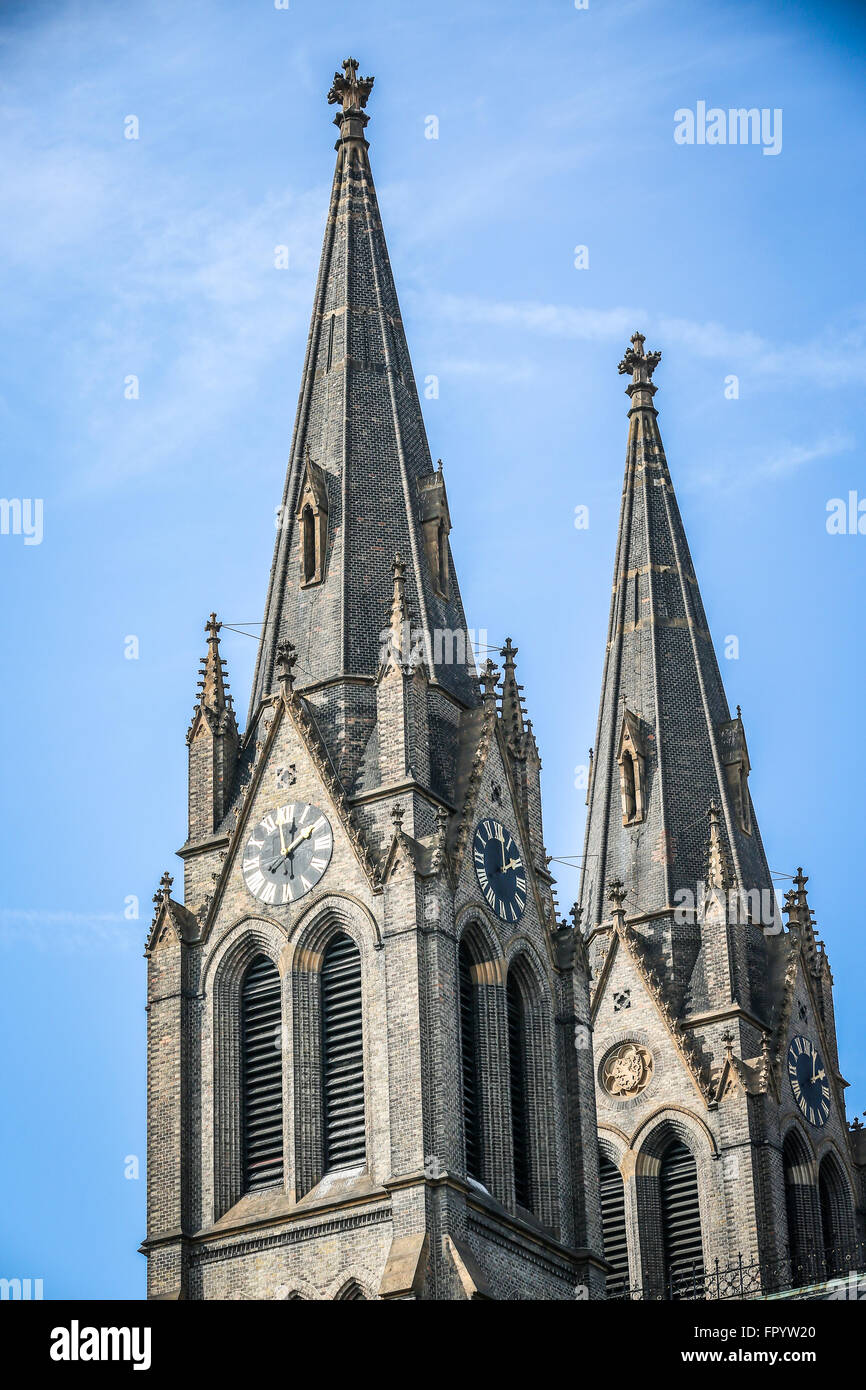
pixel 632 769
pixel 312 517
pixel 735 757
pixel 436 525
pixel 308 541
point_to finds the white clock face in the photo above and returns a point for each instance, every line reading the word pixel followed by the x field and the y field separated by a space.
pixel 287 853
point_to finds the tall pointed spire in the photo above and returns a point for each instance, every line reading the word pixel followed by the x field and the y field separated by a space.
pixel 214 687
pixel 666 748
pixel 361 485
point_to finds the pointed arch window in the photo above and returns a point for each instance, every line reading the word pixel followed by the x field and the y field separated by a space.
pixel 801 1205
pixel 261 1074
pixel 632 770
pixel 352 1293
pixel 308 534
pixel 837 1217
pixel 681 1222
pixel 518 1078
pixel 343 1108
pixel 470 1066
pixel 613 1225
pixel 312 520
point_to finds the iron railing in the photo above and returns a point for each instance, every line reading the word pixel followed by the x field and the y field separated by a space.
pixel 742 1281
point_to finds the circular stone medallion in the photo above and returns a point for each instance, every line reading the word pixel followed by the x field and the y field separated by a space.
pixel 627 1070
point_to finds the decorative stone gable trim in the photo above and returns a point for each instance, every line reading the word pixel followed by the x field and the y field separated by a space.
pixel 169 916
pixel 688 1050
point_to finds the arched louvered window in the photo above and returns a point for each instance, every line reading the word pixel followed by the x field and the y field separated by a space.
pixel 837 1217
pixel 681 1222
pixel 343 1055
pixel 801 1203
pixel 262 1074
pixel 352 1293
pixel 470 1073
pixel 613 1226
pixel 517 1076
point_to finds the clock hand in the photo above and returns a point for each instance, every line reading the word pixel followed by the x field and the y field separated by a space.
pixel 304 835
pixel 282 840
pixel 512 864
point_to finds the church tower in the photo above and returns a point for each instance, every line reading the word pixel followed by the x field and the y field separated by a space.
pixel 724 1150
pixel 369 1063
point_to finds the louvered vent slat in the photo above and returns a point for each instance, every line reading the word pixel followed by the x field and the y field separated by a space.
pixel 519 1099
pixel 681 1218
pixel 613 1225
pixel 343 1055
pixel 469 1058
pixel 262 1074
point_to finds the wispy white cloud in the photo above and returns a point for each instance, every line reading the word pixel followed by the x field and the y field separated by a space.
pixel 53 930
pixel 758 464
pixel 504 372
pixel 835 357
pixel 547 320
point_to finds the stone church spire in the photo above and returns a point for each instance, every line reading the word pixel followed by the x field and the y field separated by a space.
pixel 668 755
pixel 360 486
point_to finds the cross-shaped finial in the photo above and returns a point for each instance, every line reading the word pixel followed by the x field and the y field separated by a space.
pixel 489 676
pixel 641 364
pixel 163 892
pixel 212 627
pixel 350 90
pixel 286 661
pixel 616 894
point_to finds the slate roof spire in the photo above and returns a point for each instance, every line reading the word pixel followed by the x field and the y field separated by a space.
pixel 666 748
pixel 372 491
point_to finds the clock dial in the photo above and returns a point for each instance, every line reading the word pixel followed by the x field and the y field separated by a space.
pixel 499 870
pixel 287 853
pixel 808 1079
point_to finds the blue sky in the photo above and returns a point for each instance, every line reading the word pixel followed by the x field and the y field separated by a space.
pixel 155 257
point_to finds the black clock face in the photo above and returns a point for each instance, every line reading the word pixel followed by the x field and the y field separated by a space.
pixel 809 1080
pixel 287 853
pixel 499 870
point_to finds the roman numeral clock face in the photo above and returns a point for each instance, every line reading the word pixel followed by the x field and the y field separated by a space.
pixel 287 853
pixel 499 870
pixel 808 1079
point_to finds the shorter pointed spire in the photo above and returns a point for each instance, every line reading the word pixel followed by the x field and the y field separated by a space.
pixel 399 653
pixel 214 687
pixel 718 870
pixel 801 919
pixel 511 706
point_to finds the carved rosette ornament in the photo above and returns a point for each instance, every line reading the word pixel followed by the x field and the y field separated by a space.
pixel 627 1070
